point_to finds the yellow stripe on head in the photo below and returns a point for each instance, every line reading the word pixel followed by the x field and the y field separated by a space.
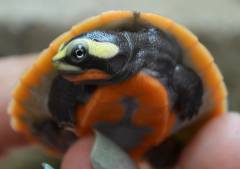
pixel 102 50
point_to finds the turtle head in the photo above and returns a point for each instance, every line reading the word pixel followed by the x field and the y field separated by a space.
pixel 94 53
pixel 83 53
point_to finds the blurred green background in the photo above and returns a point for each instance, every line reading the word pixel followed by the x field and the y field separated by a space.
pixel 28 26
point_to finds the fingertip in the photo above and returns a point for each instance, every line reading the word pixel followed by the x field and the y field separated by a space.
pixel 78 156
pixel 215 146
pixel 9 139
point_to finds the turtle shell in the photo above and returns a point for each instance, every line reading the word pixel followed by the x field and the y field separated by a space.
pixel 29 102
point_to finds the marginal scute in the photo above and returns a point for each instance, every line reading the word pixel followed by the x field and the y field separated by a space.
pixel 200 58
pixel 86 25
pixel 44 62
pixel 31 77
pixel 62 38
pixel 20 92
pixel 105 19
pixel 16 109
pixel 184 36
pixel 18 125
pixel 210 75
pixel 156 20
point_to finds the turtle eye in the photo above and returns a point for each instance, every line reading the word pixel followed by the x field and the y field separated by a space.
pixel 78 53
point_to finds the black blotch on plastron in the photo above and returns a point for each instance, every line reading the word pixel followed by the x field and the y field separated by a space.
pixel 124 133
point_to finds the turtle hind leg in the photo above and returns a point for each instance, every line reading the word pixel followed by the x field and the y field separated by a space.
pixel 188 85
pixel 164 155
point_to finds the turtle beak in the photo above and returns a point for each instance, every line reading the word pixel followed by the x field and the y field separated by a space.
pixel 57 60
pixel 66 68
pixel 59 57
pixel 63 67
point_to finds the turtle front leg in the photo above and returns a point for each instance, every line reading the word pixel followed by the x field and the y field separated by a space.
pixel 64 98
pixel 188 85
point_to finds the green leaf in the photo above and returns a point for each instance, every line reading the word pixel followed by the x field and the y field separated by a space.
pixel 46 166
pixel 107 155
